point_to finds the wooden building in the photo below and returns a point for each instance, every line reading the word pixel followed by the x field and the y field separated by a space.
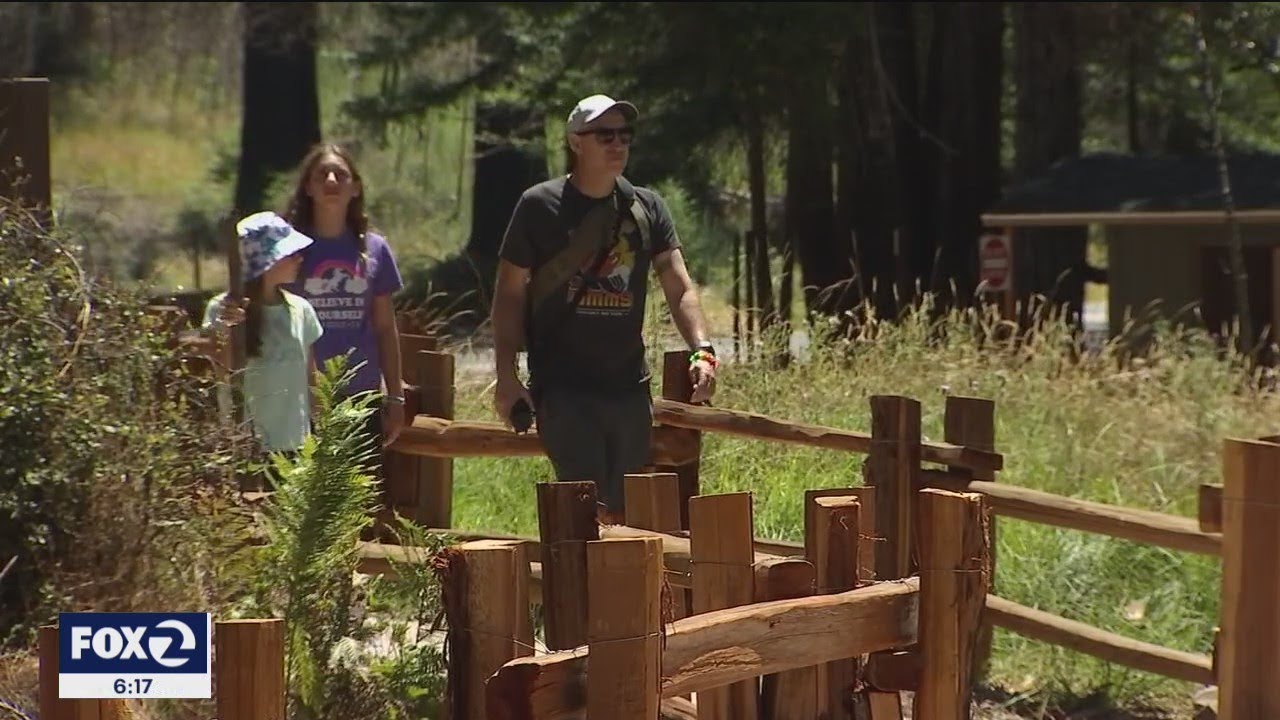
pixel 1165 231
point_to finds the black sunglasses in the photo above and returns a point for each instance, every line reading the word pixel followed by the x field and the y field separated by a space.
pixel 607 135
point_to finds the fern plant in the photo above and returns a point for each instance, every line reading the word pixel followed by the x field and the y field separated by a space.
pixel 324 499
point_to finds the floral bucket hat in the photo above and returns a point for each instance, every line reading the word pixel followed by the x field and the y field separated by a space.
pixel 266 239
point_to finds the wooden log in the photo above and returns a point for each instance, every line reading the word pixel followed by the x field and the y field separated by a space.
pixel 1170 531
pixel 1210 508
pixel 250 671
pixel 399 488
pixel 720 548
pixel 866 496
pixel 954 578
pixel 791 695
pixel 377 558
pixel 567 522
pixel 438 437
pixel 726 646
pixel 25 176
pixel 435 474
pixel 1108 646
pixel 762 427
pixel 672 541
pixel 834 554
pixel 653 503
pixel 1249 649
pixel 677 386
pixel 624 630
pixel 54 708
pixel 676 552
pixel 892 468
pixel 971 422
pixel 484 584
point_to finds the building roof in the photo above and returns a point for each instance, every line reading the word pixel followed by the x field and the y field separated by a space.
pixel 1111 182
pixel 1117 189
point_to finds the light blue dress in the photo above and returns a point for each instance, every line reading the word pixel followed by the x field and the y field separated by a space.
pixel 276 387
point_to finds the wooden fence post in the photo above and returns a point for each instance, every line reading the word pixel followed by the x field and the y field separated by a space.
pixel 677 386
pixel 486 595
pixel 400 488
pixel 624 630
pixel 722 556
pixel 790 695
pixel 893 466
pixel 1209 507
pixel 832 544
pixel 1249 644
pixel 248 669
pixel 53 708
pixel 435 474
pixel 954 579
pixel 24 146
pixel 566 523
pixel 971 422
pixel 653 503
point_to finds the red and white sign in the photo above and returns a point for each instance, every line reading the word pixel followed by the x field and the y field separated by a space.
pixel 995 262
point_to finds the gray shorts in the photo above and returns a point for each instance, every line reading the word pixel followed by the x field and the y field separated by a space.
pixel 596 436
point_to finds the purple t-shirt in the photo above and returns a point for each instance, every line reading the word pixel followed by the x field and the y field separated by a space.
pixel 342 289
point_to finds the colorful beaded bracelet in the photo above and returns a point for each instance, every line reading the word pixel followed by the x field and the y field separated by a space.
pixel 706 356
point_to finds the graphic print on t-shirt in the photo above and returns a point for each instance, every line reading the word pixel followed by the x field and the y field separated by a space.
pixel 608 292
pixel 337 290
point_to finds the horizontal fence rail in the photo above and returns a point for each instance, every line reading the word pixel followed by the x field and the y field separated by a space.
pixel 1153 528
pixel 1078 636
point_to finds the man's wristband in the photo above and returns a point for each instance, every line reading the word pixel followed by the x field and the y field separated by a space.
pixel 704 356
pixel 395 399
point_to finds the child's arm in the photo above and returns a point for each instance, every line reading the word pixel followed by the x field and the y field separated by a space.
pixel 311 382
pixel 312 330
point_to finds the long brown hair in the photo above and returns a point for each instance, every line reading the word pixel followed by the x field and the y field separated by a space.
pixel 253 317
pixel 300 210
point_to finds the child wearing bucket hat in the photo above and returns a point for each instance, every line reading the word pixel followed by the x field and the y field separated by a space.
pixel 281 329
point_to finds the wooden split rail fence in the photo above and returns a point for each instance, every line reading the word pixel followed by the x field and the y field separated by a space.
pixel 1239 518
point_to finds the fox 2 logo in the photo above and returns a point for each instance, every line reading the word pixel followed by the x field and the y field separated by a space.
pixel 97 643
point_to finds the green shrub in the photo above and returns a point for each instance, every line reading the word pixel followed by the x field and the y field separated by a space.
pixel 111 463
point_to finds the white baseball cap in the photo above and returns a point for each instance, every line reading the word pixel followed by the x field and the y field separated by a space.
pixel 592 107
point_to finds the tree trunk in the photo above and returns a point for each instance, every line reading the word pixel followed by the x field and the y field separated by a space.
pixel 810 201
pixel 867 182
pixel 759 236
pixel 1235 246
pixel 898 74
pixel 510 156
pixel 281 115
pixel 1048 262
pixel 967 154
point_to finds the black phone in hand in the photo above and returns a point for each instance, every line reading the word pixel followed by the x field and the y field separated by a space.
pixel 521 416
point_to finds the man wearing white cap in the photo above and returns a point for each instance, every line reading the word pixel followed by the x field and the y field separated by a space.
pixel 571 288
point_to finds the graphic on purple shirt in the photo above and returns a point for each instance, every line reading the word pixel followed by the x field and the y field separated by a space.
pixel 342 290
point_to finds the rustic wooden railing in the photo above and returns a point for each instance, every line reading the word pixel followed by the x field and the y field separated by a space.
pixel 1237 519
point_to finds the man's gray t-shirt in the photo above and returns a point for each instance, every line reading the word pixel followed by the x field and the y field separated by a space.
pixel 600 344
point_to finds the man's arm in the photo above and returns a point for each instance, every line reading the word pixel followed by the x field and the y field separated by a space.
pixel 507 316
pixel 682 297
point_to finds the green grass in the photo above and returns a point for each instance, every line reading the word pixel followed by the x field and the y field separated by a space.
pixel 1144 437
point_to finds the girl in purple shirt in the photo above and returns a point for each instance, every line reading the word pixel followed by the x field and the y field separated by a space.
pixel 349 275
